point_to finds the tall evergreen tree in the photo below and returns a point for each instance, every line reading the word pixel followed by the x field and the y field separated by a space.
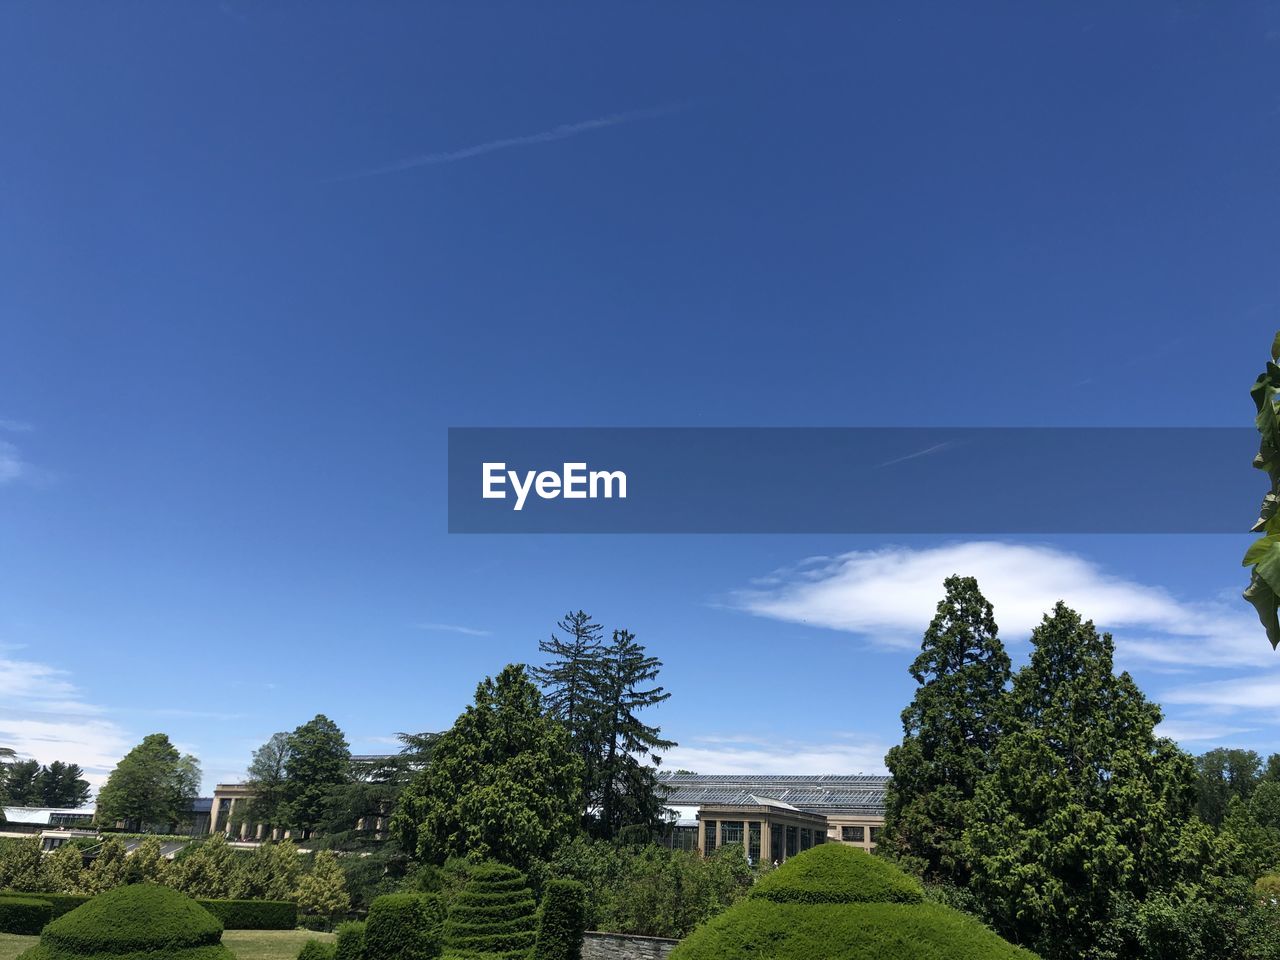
pixel 317 760
pixel 570 681
pixel 1222 775
pixel 503 782
pixel 152 785
pixel 1086 812
pixel 22 783
pixel 628 786
pixel 949 731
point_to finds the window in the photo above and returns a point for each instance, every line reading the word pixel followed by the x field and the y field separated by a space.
pixel 806 838
pixel 730 832
pixel 853 834
pixel 875 834
pixel 710 844
pixel 776 850
pixel 753 842
pixel 793 841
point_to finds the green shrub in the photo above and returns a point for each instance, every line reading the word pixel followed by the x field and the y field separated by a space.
pixel 59 902
pixel 561 922
pixel 137 921
pixel 493 916
pixel 316 950
pixel 404 926
pixel 834 873
pixel 253 914
pixel 24 915
pixel 350 942
pixel 855 931
pixel 837 903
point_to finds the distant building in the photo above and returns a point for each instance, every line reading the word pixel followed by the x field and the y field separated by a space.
pixel 773 816
pixel 54 826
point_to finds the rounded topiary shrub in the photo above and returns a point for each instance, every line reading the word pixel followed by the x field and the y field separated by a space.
pixel 135 919
pixel 834 873
pixel 493 916
pixel 350 942
pixel 837 903
pixel 561 921
pixel 24 915
pixel 404 926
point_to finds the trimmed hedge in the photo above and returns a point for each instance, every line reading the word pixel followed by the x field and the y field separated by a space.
pixel 139 921
pixel 834 873
pixel 350 942
pixel 859 931
pixel 59 903
pixel 837 903
pixel 253 914
pixel 404 926
pixel 316 950
pixel 234 914
pixel 561 921
pixel 24 915
pixel 493 916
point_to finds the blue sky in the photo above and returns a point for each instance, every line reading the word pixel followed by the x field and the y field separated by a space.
pixel 254 261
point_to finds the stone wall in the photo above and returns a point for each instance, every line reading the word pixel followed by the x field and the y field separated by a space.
pixel 623 946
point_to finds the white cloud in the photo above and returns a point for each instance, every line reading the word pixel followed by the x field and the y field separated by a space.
pixel 1200 731
pixel 43 716
pixel 889 595
pixel 830 753
pixel 453 628
pixel 12 466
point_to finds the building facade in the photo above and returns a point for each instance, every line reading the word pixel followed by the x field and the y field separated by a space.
pixel 773 817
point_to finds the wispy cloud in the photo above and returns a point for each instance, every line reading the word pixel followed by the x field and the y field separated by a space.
pixel 561 132
pixel 886 597
pixel 453 628
pixel 15 426
pixel 43 716
pixel 12 466
pixel 927 451
pixel 829 753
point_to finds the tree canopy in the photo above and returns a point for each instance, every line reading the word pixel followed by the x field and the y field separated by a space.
pixel 153 784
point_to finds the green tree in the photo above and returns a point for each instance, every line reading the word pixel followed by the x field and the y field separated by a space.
pixel 21 783
pixel 153 785
pixel 62 869
pixel 147 863
pixel 20 865
pixel 317 761
pixel 950 729
pixel 109 868
pixel 503 783
pixel 268 781
pixel 1085 810
pixel 209 869
pixel 323 891
pixel 629 793
pixel 1263 554
pixel 1221 775
pixel 571 680
pixel 271 872
pixel 62 785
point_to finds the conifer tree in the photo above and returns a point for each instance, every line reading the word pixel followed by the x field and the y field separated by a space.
pixel 62 869
pixel 147 863
pixel 20 866
pixel 628 787
pixel 108 869
pixel 318 759
pixel 570 681
pixel 323 891
pixel 1086 811
pixel 949 730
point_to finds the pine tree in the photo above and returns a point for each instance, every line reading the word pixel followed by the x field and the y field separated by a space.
pixel 949 730
pixel 570 681
pixel 21 788
pixel 628 787
pixel 62 785
pixel 1085 810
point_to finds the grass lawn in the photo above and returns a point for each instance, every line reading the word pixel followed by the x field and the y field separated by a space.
pixel 245 944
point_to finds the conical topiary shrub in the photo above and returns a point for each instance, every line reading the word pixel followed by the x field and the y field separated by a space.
pixel 142 919
pixel 838 903
pixel 494 916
